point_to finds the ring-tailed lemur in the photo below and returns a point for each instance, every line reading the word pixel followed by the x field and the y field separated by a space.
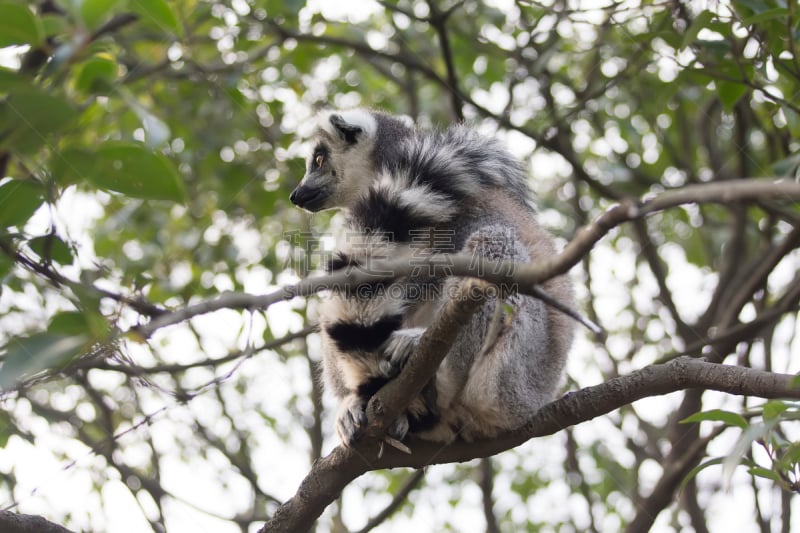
pixel 404 189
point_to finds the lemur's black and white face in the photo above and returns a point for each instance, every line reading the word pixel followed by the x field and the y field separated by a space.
pixel 341 165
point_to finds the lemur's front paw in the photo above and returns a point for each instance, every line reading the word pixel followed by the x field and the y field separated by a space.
pixel 396 351
pixel 399 428
pixel 351 420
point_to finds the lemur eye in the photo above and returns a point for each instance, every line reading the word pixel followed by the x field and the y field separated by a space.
pixel 319 160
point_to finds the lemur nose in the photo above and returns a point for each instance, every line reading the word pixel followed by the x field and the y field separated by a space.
pixel 293 197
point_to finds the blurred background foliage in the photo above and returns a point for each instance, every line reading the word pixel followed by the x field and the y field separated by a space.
pixel 147 150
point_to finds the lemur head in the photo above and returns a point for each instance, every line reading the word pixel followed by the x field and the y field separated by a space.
pixel 350 150
pixel 341 165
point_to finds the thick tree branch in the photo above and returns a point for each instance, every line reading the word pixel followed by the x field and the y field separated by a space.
pixel 331 474
pixel 524 278
pixel 24 523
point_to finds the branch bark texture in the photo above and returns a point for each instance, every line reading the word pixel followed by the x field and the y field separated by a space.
pixel 24 523
pixel 331 474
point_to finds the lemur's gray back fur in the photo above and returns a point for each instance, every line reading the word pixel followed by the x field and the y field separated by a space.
pixel 398 185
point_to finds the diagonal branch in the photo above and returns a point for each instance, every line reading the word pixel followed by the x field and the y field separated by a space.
pixel 11 522
pixel 411 482
pixel 57 279
pixel 385 406
pixel 524 278
pixel 331 474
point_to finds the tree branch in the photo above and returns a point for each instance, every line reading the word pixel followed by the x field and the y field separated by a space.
pixel 24 523
pixel 409 484
pixel 387 404
pixel 524 278
pixel 676 468
pixel 172 368
pixel 331 474
pixel 439 21
pixel 57 280
pixel 723 341
pixel 486 483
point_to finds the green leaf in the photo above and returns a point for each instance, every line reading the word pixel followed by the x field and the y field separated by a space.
pixel 156 131
pixel 10 79
pixel 790 456
pixel 745 441
pixel 133 170
pixel 6 428
pixel 716 47
pixel 94 12
pixel 729 93
pixel 284 7
pixel 717 415
pixel 6 264
pixel 765 473
pixel 72 165
pixel 127 168
pixel 69 323
pixel 53 24
pixel 696 470
pixel 19 200
pixel 86 323
pixel 18 25
pixel 701 21
pixel 764 16
pixel 97 75
pixel 28 117
pixel 51 248
pixel 755 6
pixel 28 356
pixel 792 120
pixel 773 409
pixel 157 13
pixel 788 167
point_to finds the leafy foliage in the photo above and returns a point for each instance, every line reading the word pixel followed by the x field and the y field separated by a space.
pixel 147 149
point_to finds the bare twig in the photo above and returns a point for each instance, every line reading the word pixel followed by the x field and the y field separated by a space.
pixel 486 483
pixel 210 362
pixel 57 279
pixel 398 500
pixel 439 21
pixel 676 468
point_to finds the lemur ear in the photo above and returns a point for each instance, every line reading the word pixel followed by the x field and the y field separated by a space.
pixel 348 132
